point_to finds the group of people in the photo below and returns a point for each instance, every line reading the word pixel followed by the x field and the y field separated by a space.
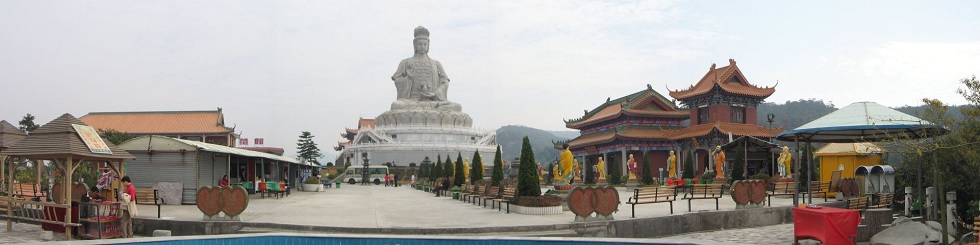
pixel 127 201
pixel 392 180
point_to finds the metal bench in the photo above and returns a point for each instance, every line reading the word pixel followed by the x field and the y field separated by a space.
pixel 649 195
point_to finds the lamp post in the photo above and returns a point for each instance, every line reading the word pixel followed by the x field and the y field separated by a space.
pixel 365 174
pixel 772 156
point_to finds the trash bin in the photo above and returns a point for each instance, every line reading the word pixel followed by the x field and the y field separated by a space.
pixel 337 184
pixel 456 192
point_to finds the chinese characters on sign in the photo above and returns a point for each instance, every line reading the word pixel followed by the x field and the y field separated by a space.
pixel 92 139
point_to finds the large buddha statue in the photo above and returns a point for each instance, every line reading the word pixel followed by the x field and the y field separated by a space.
pixel 420 81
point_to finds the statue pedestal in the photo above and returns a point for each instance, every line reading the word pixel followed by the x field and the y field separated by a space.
pixel 784 180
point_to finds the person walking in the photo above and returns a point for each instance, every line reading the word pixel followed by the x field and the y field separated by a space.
pixel 394 179
pixel 387 180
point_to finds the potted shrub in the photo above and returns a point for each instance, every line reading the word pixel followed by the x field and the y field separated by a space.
pixel 312 184
pixel 764 177
pixel 708 177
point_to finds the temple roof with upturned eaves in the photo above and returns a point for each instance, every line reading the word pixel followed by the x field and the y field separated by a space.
pixel 736 129
pixel 644 103
pixel 728 79
pixel 626 132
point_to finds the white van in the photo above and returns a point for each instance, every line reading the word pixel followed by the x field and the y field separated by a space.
pixel 377 174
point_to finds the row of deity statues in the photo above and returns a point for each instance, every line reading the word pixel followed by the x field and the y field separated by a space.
pixel 784 162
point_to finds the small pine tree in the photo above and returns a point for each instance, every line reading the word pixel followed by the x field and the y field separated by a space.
pixel 689 165
pixel 806 158
pixel 527 181
pixel 614 176
pixel 646 170
pixel 476 168
pixel 449 169
pixel 498 168
pixel 437 171
pixel 589 178
pixel 459 177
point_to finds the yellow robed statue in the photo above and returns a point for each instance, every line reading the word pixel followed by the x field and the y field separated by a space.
pixel 631 164
pixel 672 165
pixel 466 169
pixel 567 162
pixel 601 168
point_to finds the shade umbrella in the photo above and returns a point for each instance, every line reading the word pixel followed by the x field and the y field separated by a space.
pixel 860 122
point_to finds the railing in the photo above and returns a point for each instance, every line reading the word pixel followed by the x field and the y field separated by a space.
pixel 17 209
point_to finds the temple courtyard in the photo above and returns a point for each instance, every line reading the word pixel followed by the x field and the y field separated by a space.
pixel 377 209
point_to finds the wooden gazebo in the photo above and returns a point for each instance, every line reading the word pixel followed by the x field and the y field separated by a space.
pixel 8 136
pixel 66 142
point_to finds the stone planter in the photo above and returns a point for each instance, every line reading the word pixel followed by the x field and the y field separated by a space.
pixel 536 210
pixel 311 187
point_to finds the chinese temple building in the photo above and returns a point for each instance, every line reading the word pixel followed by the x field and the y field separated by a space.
pixel 722 103
pixel 348 135
pixel 631 125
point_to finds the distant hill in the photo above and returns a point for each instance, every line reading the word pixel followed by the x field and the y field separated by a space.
pixel 567 134
pixel 511 137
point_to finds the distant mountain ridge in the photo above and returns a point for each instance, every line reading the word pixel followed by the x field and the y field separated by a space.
pixel 511 137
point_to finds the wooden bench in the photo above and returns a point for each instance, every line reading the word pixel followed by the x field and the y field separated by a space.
pixel 470 193
pixel 780 189
pixel 28 191
pixel 491 192
pixel 885 200
pixel 819 187
pixel 149 196
pixel 704 191
pixel 858 203
pixel 506 197
pixel 649 195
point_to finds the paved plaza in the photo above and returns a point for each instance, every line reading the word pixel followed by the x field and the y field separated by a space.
pixel 403 207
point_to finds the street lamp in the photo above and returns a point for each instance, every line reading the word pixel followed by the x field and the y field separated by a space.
pixel 772 155
pixel 365 174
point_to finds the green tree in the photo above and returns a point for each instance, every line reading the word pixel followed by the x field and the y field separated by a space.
pixel 808 164
pixel 459 177
pixel 307 149
pixel 527 181
pixel 689 165
pixel 437 170
pixel 615 175
pixel 646 170
pixel 116 137
pixel 476 168
pixel 27 123
pixel 449 169
pixel 498 168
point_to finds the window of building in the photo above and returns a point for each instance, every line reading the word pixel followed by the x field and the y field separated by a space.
pixel 703 115
pixel 738 114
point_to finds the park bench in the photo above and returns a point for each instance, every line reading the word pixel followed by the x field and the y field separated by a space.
pixel 470 193
pixel 491 192
pixel 506 197
pixel 819 187
pixel 149 196
pixel 28 191
pixel 885 200
pixel 780 189
pixel 704 191
pixel 647 195
pixel 858 203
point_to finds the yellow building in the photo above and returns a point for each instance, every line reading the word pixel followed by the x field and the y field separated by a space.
pixel 847 157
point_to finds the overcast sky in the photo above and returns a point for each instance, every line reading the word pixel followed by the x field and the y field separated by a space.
pixel 281 67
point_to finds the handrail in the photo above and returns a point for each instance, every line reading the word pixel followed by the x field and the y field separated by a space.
pixel 23 205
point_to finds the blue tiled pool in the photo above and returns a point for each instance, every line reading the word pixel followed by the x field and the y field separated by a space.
pixel 311 239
